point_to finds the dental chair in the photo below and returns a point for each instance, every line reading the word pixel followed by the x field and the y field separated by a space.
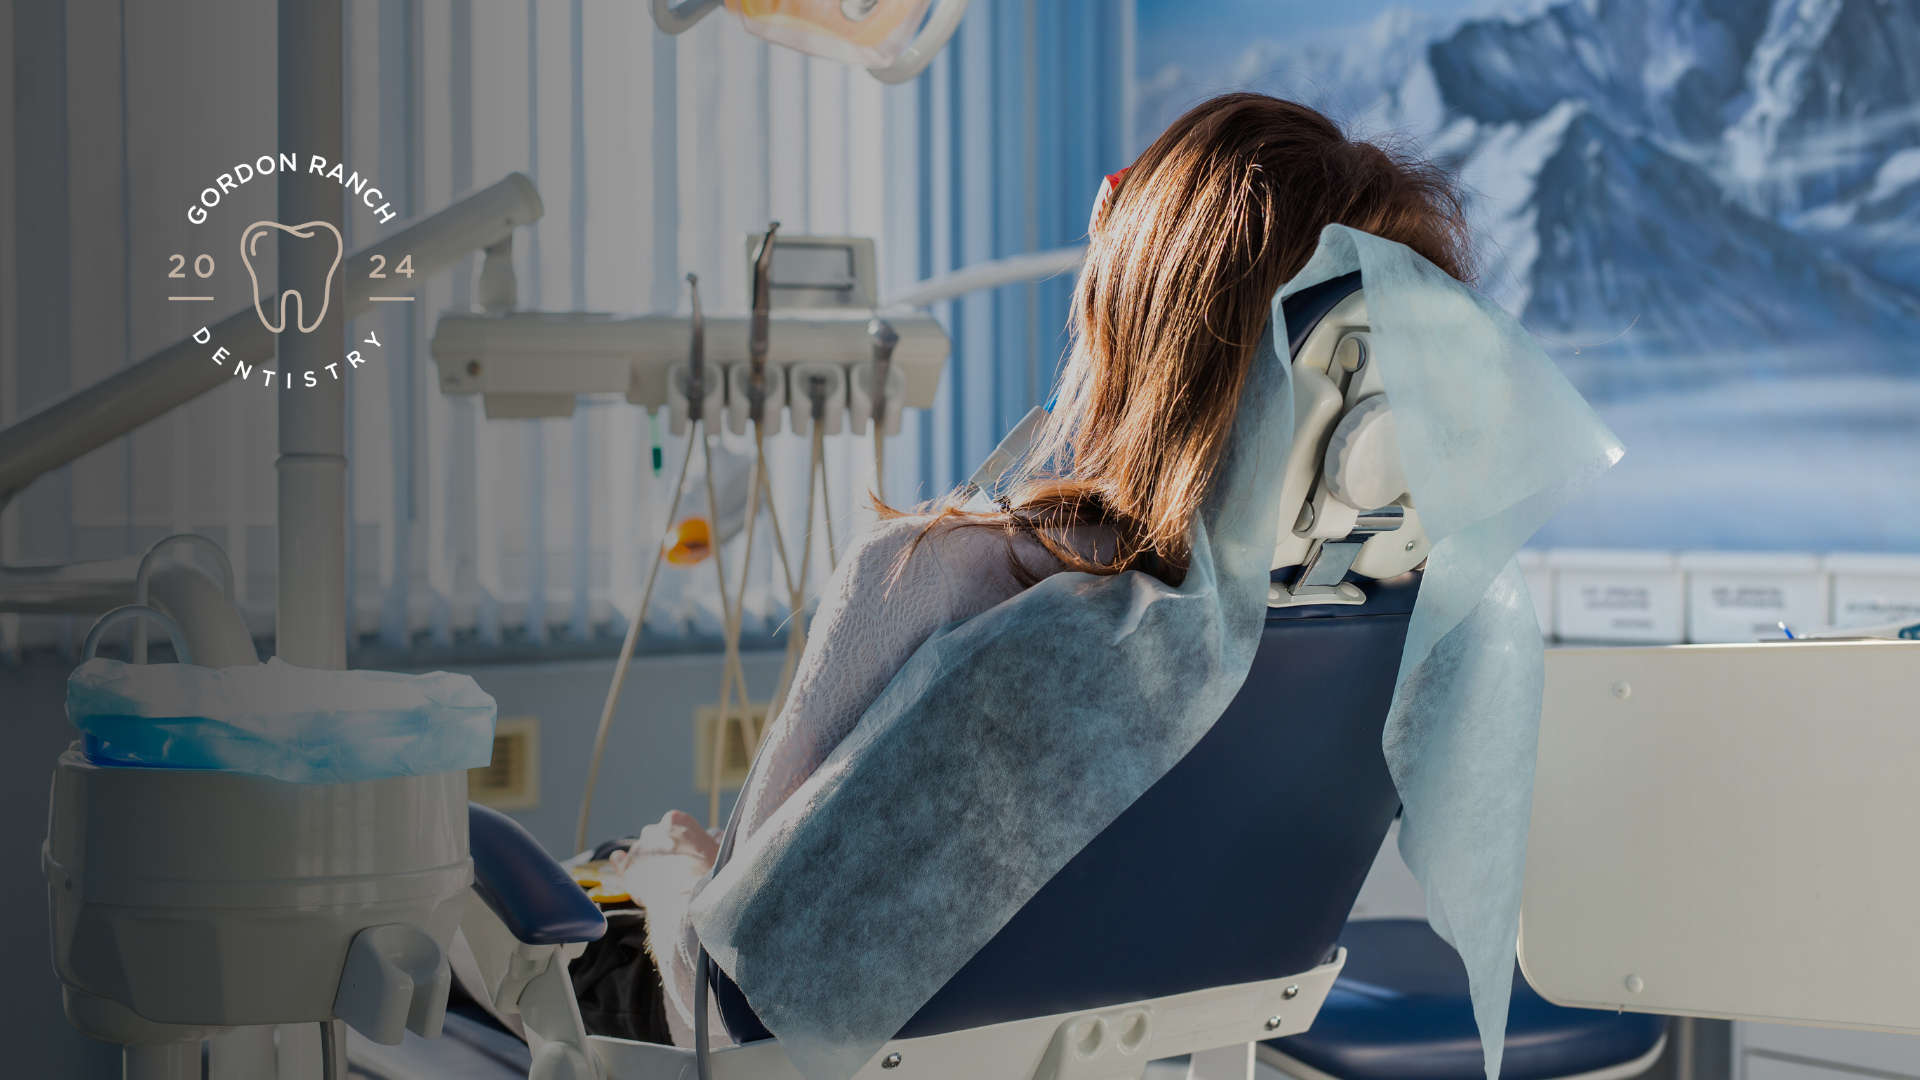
pixel 1252 847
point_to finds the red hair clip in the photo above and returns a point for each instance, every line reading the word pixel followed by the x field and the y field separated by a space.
pixel 1107 187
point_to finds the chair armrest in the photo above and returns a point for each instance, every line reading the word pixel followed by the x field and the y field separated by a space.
pixel 534 896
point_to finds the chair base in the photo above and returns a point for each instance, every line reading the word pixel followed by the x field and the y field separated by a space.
pixel 1139 1031
pixel 1626 1070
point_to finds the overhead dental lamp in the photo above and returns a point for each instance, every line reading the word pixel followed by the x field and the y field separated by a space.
pixel 879 35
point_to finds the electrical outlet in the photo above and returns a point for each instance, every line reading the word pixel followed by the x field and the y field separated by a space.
pixel 511 781
pixel 739 745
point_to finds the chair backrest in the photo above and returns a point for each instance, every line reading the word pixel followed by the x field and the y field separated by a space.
pixel 1243 861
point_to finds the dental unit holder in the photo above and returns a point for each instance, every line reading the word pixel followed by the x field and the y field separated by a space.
pixel 527 364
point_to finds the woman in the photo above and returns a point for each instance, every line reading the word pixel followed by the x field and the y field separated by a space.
pixel 1183 260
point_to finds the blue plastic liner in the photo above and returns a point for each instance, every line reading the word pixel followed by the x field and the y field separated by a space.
pixel 297 724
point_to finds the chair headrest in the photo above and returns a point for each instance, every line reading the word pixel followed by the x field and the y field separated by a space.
pixel 1344 502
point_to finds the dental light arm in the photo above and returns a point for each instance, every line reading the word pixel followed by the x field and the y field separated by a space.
pixel 89 418
pixel 679 16
pixel 919 53
pixel 1012 270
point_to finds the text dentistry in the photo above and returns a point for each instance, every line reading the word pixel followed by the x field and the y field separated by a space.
pixel 306 378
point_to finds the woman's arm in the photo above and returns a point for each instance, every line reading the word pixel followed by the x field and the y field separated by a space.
pixel 661 870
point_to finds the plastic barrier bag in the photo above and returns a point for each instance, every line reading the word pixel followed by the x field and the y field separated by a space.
pixel 299 724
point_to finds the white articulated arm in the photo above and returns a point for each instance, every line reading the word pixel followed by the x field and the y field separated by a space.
pixel 1222 1063
pixel 532 980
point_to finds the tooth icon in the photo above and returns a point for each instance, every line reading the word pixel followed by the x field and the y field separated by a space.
pixel 250 241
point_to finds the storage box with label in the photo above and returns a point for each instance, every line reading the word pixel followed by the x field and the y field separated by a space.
pixel 1735 596
pixel 1617 596
pixel 1533 567
pixel 1874 590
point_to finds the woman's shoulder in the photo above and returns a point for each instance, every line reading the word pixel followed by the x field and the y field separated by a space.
pixel 895 542
pixel 946 536
pixel 944 566
pixel 955 549
pixel 886 539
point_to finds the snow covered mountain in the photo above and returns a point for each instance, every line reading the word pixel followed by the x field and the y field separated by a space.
pixel 1629 230
pixel 1715 178
pixel 1373 79
pixel 1671 68
pixel 1738 179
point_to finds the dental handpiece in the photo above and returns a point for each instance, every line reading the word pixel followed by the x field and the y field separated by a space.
pixel 884 338
pixel 696 357
pixel 817 395
pixel 757 343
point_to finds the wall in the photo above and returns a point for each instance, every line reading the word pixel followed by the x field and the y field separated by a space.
pixel 648 767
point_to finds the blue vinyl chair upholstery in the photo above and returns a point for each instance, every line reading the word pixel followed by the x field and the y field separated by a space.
pixel 521 884
pixel 1400 1011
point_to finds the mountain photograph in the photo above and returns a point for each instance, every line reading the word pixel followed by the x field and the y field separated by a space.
pixel 1707 211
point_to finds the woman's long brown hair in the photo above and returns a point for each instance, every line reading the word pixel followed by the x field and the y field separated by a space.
pixel 1225 207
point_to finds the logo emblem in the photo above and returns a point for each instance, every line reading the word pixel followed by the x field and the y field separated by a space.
pixel 300 253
